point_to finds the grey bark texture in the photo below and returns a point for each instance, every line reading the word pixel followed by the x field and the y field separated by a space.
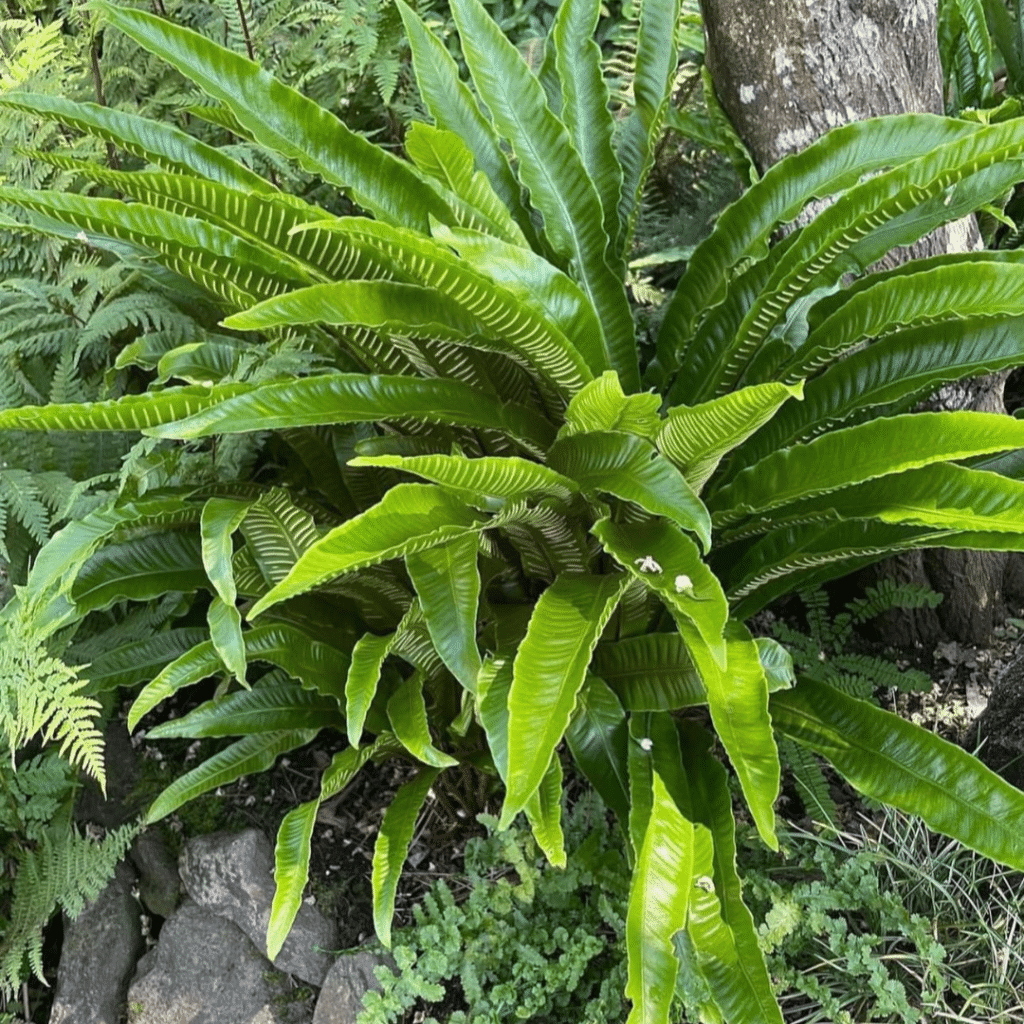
pixel 786 71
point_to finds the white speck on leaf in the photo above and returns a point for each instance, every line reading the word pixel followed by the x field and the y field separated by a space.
pixel 648 564
pixel 684 585
pixel 646 743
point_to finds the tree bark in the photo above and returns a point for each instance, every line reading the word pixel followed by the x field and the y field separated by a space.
pixel 786 71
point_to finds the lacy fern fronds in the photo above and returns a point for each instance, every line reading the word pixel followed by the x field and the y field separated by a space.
pixel 42 697
pixel 63 872
pixel 33 793
pixel 821 653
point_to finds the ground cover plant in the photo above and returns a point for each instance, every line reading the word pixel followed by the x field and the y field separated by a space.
pixel 496 514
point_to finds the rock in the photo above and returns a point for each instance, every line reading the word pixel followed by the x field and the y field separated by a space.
pixel 349 979
pixel 206 971
pixel 232 874
pixel 1001 726
pixel 98 956
pixel 159 882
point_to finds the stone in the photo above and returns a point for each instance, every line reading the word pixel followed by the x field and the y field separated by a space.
pixel 159 882
pixel 232 874
pixel 349 979
pixel 98 956
pixel 206 971
pixel 1000 727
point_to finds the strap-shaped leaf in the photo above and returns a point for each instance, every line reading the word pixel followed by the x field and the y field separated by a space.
pixel 47 592
pixel 140 660
pixel 275 707
pixel 392 847
pixel 942 496
pixel 316 665
pixel 598 737
pixel 544 813
pixel 842 458
pixel 549 671
pixel 132 412
pixel 650 673
pixel 640 765
pixel 410 518
pixel 630 468
pixel 504 322
pixel 446 158
pixel 601 406
pixel 667 561
pixel 535 281
pixel 892 373
pixel 277 533
pixel 447 583
pixel 477 480
pixel 738 702
pixel 777 663
pixel 156 141
pixel 244 757
pixel 727 946
pixel 780 562
pixel 454 108
pixel 585 109
pixel 407 713
pixel 282 119
pixel 697 437
pixel 219 520
pixel 350 398
pixel 225 622
pixel 890 209
pixel 228 266
pixel 833 163
pixel 140 569
pixel 551 169
pixel 267 221
pixel 363 676
pixel 291 872
pixel 658 903
pixel 959 289
pixel 493 686
pixel 392 306
pixel 893 760
pixel 654 70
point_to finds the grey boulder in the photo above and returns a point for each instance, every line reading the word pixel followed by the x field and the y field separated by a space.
pixel 206 971
pixel 350 978
pixel 232 874
pixel 98 956
pixel 159 884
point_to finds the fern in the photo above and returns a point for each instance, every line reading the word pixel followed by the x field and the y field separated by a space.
pixel 63 871
pixel 810 782
pixel 42 697
pixel 821 653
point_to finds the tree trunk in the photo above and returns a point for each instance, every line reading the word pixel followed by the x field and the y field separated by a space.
pixel 786 71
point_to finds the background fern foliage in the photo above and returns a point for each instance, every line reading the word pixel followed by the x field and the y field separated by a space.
pixel 508 517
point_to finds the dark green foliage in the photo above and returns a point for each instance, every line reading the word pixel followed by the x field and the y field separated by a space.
pixel 822 653
pixel 840 940
pixel 527 942
pixel 61 869
pixel 488 501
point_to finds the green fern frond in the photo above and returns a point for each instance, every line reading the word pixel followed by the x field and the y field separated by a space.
pixel 810 782
pixel 887 594
pixel 41 696
pixel 64 871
